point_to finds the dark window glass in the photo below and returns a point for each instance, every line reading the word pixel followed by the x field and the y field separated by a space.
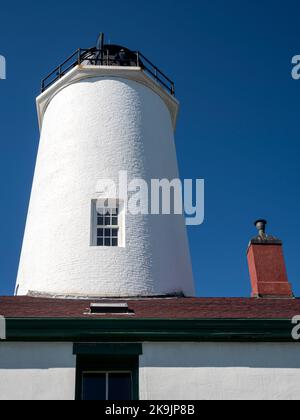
pixel 107 242
pixel 119 387
pixel 103 386
pixel 114 242
pixel 114 221
pixel 94 387
pixel 100 221
pixel 100 242
pixel 114 233
pixel 99 232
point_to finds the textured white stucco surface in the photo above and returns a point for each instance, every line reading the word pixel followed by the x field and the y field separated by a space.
pixel 224 371
pixel 92 130
pixel 37 371
pixel 168 371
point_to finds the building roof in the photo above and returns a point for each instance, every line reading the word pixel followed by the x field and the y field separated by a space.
pixel 152 308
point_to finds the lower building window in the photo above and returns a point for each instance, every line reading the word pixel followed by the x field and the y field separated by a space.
pixel 100 377
pixel 107 386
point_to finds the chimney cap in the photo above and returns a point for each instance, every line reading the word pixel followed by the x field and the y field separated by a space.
pixel 260 222
pixel 261 227
pixel 262 237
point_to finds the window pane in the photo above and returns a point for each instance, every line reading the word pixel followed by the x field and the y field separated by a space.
pixel 100 232
pixel 119 387
pixel 100 242
pixel 115 221
pixel 107 221
pixel 114 233
pixel 115 242
pixel 107 242
pixel 94 387
pixel 100 221
pixel 107 233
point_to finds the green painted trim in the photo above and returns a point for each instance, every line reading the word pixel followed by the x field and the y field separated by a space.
pixel 93 363
pixel 140 330
pixel 107 349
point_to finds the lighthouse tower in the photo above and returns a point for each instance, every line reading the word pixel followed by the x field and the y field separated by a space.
pixel 104 111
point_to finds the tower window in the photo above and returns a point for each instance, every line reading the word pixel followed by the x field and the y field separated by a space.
pixel 106 225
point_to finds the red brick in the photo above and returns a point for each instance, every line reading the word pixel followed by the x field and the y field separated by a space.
pixel 268 271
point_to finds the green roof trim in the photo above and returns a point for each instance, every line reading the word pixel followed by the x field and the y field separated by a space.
pixel 140 330
pixel 107 349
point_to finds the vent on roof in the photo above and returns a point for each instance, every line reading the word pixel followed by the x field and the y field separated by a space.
pixel 110 308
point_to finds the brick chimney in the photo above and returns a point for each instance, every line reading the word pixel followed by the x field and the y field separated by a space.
pixel 267 266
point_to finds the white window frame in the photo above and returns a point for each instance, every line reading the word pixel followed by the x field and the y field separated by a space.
pixel 107 203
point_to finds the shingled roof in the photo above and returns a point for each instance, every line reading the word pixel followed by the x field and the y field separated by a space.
pixel 165 308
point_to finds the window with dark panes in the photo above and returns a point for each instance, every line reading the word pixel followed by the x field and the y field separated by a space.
pixel 107 386
pixel 107 371
pixel 108 226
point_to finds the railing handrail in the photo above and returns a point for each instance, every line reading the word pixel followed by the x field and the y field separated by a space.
pixel 83 55
pixel 156 68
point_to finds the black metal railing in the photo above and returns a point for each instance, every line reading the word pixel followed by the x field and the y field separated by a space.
pixel 104 58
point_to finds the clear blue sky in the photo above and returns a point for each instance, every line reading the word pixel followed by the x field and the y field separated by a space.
pixel 239 122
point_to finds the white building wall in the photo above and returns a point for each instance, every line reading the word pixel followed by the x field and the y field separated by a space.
pixel 209 371
pixel 168 371
pixel 37 371
pixel 91 130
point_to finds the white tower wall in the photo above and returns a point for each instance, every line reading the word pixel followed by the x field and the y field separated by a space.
pixel 91 129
